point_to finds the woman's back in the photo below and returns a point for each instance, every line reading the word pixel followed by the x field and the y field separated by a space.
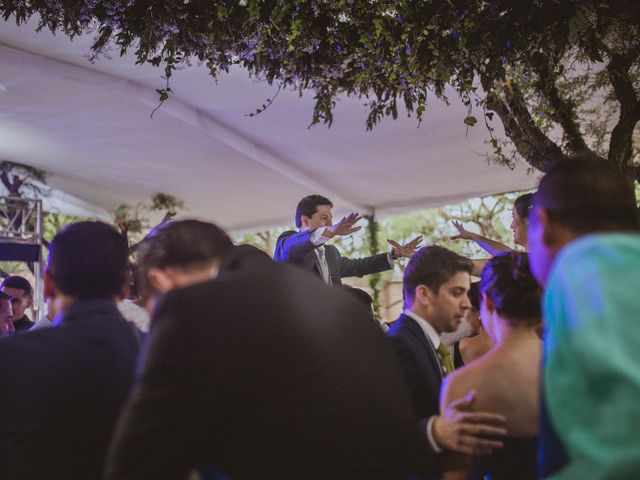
pixel 506 380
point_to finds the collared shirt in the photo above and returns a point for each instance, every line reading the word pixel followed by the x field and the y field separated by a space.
pixel 426 328
pixel 319 240
pixel 43 322
pixel 434 339
pixel 23 324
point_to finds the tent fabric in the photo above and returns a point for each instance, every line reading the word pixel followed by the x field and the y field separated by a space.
pixel 89 125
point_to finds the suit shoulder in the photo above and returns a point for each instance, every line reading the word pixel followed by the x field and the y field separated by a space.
pixel 399 327
pixel 285 235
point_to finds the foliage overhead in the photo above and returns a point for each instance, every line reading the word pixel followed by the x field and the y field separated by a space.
pixel 536 64
pixel 23 180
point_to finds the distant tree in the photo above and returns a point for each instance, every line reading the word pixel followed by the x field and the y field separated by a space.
pixel 133 220
pixel 23 181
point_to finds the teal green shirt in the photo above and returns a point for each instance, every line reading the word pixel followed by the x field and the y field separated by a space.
pixel 591 376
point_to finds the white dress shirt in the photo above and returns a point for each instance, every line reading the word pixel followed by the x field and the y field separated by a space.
pixel 319 240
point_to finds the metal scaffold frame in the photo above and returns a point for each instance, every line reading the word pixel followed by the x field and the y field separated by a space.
pixel 21 239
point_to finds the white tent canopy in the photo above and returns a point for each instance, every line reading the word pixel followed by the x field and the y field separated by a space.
pixel 89 126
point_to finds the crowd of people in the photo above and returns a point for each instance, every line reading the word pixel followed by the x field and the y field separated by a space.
pixel 255 367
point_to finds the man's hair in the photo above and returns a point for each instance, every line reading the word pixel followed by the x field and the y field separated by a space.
pixel 183 244
pixel 359 294
pixel 309 205
pixel 523 205
pixel 16 281
pixel 588 195
pixel 88 260
pixel 432 266
pixel 508 281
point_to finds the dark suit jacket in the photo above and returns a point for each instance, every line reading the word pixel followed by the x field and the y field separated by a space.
pixel 62 395
pixel 265 372
pixel 422 371
pixel 23 324
pixel 296 247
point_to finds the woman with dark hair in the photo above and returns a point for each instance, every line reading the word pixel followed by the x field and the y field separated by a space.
pixel 506 379
pixel 519 224
pixel 477 342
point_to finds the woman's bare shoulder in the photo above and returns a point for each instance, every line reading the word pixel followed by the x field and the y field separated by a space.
pixel 458 384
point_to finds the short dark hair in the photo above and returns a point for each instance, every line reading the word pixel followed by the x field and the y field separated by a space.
pixel 507 280
pixel 183 244
pixel 359 294
pixel 432 266
pixel 587 195
pixel 523 204
pixel 16 281
pixel 309 205
pixel 89 260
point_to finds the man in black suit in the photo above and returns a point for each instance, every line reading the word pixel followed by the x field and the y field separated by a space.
pixel 307 247
pixel 60 406
pixel 262 372
pixel 436 282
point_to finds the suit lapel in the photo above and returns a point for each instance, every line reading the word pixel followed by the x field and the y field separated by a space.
pixel 417 332
pixel 331 255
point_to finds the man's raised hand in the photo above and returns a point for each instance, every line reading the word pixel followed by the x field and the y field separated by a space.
pixel 407 250
pixel 345 226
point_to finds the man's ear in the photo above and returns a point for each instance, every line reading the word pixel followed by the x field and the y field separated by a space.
pixel 550 229
pixel 161 279
pixel 304 221
pixel 423 295
pixel 49 286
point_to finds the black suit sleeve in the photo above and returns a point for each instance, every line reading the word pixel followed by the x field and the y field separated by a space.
pixel 158 434
pixel 358 267
pixel 293 246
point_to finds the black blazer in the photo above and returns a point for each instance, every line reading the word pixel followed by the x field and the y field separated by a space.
pixel 296 247
pixel 63 393
pixel 265 372
pixel 422 370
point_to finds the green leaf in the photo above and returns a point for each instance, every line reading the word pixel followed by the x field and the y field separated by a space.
pixel 470 120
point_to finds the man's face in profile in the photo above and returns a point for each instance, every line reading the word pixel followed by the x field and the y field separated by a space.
pixel 449 304
pixel 6 317
pixel 322 218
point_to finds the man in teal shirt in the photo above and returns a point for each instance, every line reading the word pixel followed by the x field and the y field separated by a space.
pixel 584 248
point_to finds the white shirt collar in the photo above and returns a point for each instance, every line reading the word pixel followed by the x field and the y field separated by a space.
pixel 426 327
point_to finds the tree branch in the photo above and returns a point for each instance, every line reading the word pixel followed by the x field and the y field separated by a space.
pixel 536 148
pixel 563 111
pixel 620 144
